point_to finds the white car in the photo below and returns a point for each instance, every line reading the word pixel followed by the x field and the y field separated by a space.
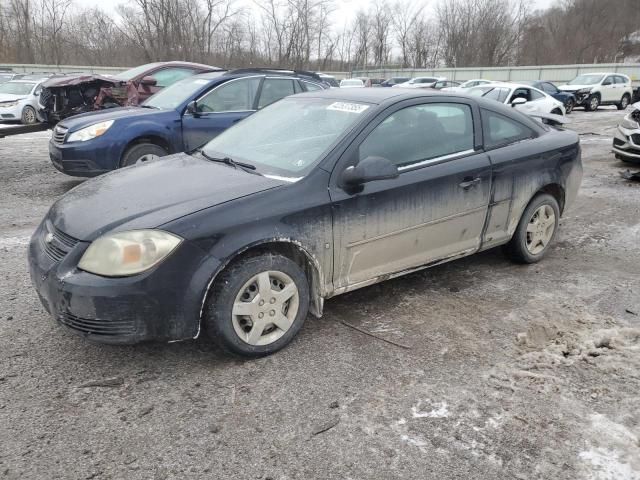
pixel 476 82
pixel 626 139
pixel 351 83
pixel 19 100
pixel 523 97
pixel 420 82
pixel 595 89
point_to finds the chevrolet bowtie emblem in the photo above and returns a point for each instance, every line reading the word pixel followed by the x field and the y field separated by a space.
pixel 48 238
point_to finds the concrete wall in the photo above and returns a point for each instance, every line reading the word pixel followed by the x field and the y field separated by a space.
pixel 554 73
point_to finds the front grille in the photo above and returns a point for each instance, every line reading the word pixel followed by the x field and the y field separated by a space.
pixel 59 134
pixel 635 138
pixel 56 243
pixel 107 328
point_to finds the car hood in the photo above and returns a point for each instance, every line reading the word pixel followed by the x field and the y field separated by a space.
pixel 85 119
pixel 152 194
pixel 10 97
pixel 573 88
pixel 77 79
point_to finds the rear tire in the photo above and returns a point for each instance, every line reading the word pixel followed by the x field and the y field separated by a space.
pixel 29 116
pixel 247 315
pixel 592 104
pixel 624 102
pixel 140 153
pixel 536 230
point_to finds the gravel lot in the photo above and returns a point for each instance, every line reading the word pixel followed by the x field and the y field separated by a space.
pixel 512 372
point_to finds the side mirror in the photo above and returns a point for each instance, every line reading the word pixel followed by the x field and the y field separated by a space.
pixel 192 108
pixel 148 81
pixel 369 170
pixel 518 101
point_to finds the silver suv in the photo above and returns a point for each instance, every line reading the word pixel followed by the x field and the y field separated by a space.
pixel 595 89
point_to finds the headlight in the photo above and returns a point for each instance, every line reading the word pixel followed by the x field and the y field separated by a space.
pixel 92 131
pixel 127 253
pixel 629 123
pixel 9 104
pixel 583 91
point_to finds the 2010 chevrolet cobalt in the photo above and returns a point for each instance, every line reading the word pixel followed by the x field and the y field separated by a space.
pixel 316 195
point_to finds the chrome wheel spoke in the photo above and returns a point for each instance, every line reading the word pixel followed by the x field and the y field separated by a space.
pixel 244 308
pixel 264 285
pixel 285 294
pixel 540 229
pixel 282 322
pixel 253 337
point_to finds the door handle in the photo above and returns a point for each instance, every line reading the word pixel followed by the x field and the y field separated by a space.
pixel 467 184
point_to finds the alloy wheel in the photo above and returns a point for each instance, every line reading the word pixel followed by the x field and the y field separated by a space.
pixel 540 229
pixel 146 158
pixel 265 308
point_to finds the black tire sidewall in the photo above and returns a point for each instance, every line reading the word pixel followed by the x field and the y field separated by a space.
pixel 133 153
pixel 589 108
pixel 517 247
pixel 217 316
pixel 620 105
pixel 22 117
pixel 569 107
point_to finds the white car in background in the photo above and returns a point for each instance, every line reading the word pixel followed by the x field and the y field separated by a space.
pixel 19 101
pixel 523 97
pixel 476 82
pixel 351 83
pixel 595 89
pixel 420 82
pixel 626 139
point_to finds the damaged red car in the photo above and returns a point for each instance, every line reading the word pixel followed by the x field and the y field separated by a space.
pixel 73 94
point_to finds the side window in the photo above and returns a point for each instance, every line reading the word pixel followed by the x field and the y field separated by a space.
pixel 521 93
pixel 498 94
pixel 535 95
pixel 549 88
pixel 608 80
pixel 274 89
pixel 234 96
pixel 311 87
pixel 421 132
pixel 500 130
pixel 168 76
pixel 621 80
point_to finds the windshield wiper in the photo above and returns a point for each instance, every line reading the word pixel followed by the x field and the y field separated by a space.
pixel 148 106
pixel 229 161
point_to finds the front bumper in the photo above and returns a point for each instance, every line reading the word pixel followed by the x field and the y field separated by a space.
pixel 81 160
pixel 626 143
pixel 163 304
pixel 13 113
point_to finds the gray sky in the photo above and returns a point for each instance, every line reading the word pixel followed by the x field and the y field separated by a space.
pixel 345 8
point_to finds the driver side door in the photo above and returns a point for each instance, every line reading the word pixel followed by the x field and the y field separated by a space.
pixel 218 110
pixel 435 209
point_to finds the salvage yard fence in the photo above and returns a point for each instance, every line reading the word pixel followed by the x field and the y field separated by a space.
pixel 551 73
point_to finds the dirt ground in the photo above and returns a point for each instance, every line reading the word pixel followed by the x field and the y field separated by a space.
pixel 512 372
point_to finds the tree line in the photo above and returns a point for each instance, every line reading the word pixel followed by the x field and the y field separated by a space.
pixel 308 34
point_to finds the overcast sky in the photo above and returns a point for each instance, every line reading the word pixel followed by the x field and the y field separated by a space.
pixel 345 8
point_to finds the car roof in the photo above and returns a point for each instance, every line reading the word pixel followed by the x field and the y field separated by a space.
pixel 376 95
pixel 26 81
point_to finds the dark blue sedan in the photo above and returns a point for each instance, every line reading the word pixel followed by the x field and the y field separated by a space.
pixel 568 99
pixel 180 118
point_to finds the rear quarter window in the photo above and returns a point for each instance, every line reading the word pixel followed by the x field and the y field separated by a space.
pixel 500 130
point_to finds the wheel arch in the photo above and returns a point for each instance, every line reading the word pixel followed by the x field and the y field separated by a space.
pixel 287 247
pixel 149 138
pixel 556 191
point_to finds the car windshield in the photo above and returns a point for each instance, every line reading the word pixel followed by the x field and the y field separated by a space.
pixel 479 91
pixel 287 138
pixel 134 72
pixel 588 79
pixel 17 88
pixel 174 95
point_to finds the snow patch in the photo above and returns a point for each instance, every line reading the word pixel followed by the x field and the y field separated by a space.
pixel 439 410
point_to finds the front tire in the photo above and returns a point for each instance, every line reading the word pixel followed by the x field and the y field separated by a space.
pixel 569 106
pixel 29 116
pixel 592 103
pixel 536 230
pixel 624 102
pixel 140 153
pixel 257 305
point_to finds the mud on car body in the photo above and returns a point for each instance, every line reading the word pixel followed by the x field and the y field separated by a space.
pixel 180 118
pixel 316 195
pixel 79 93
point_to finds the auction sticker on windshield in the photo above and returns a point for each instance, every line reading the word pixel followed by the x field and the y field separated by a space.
pixel 348 107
